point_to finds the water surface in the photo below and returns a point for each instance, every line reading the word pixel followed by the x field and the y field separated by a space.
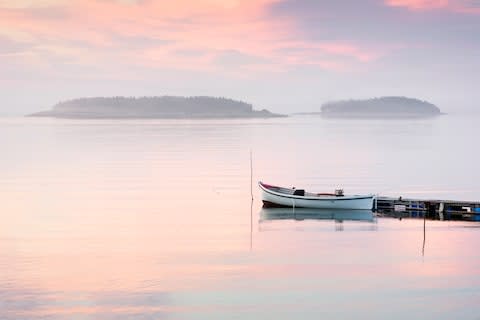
pixel 152 219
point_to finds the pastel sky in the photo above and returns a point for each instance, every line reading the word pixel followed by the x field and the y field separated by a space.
pixel 284 55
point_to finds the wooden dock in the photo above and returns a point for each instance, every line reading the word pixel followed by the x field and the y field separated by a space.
pixel 434 209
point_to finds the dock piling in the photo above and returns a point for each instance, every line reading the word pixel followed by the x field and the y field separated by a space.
pixel 433 209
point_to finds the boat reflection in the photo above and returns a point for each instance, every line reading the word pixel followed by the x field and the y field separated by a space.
pixel 338 215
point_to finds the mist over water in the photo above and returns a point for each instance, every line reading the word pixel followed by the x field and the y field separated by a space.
pixel 104 219
pixel 152 219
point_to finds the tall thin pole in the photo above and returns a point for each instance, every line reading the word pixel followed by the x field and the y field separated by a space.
pixel 424 234
pixel 251 174
pixel 251 225
pixel 251 203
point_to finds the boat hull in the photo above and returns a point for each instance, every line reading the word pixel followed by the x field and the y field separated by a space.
pixel 272 199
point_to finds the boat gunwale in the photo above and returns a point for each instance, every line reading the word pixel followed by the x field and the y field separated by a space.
pixel 330 198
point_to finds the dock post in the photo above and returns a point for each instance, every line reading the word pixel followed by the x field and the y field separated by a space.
pixel 431 209
pixel 441 210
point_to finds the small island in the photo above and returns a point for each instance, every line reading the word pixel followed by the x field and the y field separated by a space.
pixel 164 107
pixel 384 107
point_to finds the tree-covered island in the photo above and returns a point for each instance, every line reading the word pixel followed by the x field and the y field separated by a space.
pixel 384 107
pixel 164 107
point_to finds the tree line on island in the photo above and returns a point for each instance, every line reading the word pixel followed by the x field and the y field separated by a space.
pixel 155 107
pixel 176 107
pixel 380 107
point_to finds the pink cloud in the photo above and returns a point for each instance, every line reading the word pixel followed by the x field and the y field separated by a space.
pixel 186 24
pixel 419 4
pixel 151 34
pixel 459 6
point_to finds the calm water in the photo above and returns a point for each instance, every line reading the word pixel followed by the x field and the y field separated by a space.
pixel 153 220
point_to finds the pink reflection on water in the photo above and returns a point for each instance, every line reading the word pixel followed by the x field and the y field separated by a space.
pixel 107 219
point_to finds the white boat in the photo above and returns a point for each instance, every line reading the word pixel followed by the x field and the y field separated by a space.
pixel 274 196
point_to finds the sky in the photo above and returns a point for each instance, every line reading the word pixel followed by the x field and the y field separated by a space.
pixel 283 55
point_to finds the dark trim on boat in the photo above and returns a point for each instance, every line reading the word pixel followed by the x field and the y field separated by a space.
pixel 268 204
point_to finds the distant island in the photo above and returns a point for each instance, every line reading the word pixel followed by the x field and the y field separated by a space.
pixel 384 107
pixel 164 107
